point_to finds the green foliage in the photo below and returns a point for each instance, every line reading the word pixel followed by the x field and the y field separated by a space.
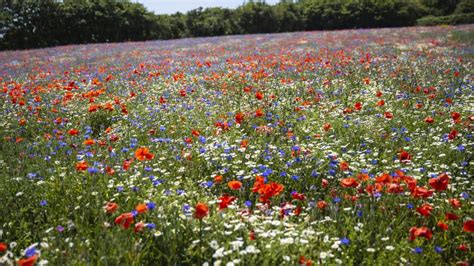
pixel 99 122
pixel 440 7
pixel 446 20
pixel 465 6
pixel 461 36
pixel 256 18
pixel 41 23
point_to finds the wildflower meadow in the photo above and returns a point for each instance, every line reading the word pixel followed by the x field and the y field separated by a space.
pixel 349 147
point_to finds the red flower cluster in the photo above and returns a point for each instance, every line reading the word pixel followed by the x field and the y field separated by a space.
pixel 440 183
pixel 201 210
pixel 416 232
pixel 143 153
pixel 266 191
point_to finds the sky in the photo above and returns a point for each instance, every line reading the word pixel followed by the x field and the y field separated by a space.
pixel 173 6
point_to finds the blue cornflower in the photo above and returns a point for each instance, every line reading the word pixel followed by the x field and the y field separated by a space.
pixel 43 203
pixel 92 170
pixel 30 252
pixel 418 250
pixel 186 208
pixel 151 205
pixel 345 241
pixel 202 139
pixel 151 225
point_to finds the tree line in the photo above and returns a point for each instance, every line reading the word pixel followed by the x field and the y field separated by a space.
pixel 41 23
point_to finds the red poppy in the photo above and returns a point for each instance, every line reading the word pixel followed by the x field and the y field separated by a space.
pixel 252 235
pixel 453 134
pixel 425 209
pixel 244 143
pixel 349 182
pixel 347 111
pixel 416 232
pixel 429 120
pixel 141 208
pixel 195 133
pixel 388 115
pixel 111 207
pixel 124 220
pixel 94 108
pixel 234 185
pixel 421 192
pixel 89 142
pixel 451 216
pixel 139 227
pixel 344 166
pixel 201 210
pixel 469 226
pixel 225 201
pixel 81 166
pixel 259 182
pixel 363 177
pixel 357 106
pixel 162 100
pixel 259 112
pixel 73 132
pixel 218 179
pixel 455 203
pixel 463 247
pixel 324 183
pixel 3 247
pixel 443 226
pixel 109 170
pixel 259 95
pixel 405 156
pixel 380 103
pixel 304 261
pixel 298 196
pixel 27 261
pixel 268 191
pixel 143 153
pixel 456 117
pixel 394 188
pixel 126 164
pixel 321 204
pixel 239 118
pixel 439 183
pixel 326 127
pixel 383 179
